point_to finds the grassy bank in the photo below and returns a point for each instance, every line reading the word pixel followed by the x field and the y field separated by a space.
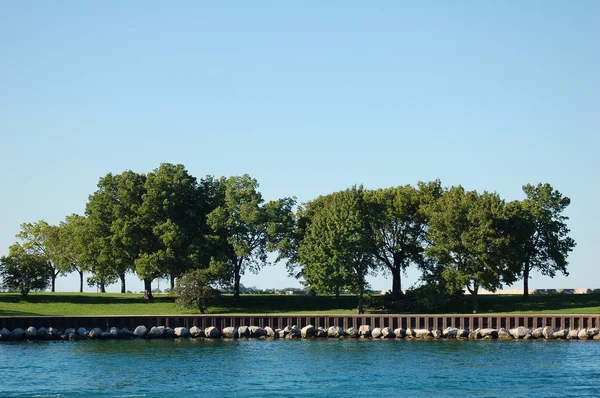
pixel 132 304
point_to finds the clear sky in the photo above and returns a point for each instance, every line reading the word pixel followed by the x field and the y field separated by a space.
pixel 308 98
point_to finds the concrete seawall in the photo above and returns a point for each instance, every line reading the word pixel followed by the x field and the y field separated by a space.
pixel 393 321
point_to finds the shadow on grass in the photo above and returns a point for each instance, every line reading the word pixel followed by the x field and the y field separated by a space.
pixel 537 303
pixel 79 298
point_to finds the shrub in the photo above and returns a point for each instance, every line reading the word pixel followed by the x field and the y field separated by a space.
pixel 24 273
pixel 194 290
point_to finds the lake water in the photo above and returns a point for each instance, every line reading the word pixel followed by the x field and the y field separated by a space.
pixel 377 368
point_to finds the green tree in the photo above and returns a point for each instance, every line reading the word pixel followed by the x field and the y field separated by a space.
pixel 23 271
pixel 467 239
pixel 73 240
pixel 41 240
pixel 245 228
pixel 539 233
pixel 399 223
pixel 335 252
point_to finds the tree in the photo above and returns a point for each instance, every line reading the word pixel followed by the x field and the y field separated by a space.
pixel 246 228
pixel 335 252
pixel 399 223
pixel 194 290
pixel 24 271
pixel 42 240
pixel 73 239
pixel 539 233
pixel 466 238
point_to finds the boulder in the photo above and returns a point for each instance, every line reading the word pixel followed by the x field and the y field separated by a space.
pixel 294 332
pixel 18 333
pixel 30 332
pixel 400 333
pixel 243 331
pixel 257 331
pixel 376 333
pixel 450 332
pixel 572 335
pixel 82 332
pixel 95 333
pixel 387 333
pixel 560 334
pixel 114 331
pixel 488 333
pixel 181 332
pixel 54 333
pixel 462 334
pixel 125 334
pixel 473 334
pixel 537 333
pixel 69 331
pixel 593 332
pixel 230 332
pixel 410 333
pixel 307 331
pixel 270 332
pixel 364 331
pixel 140 331
pixel 422 333
pixel 582 335
pixel 169 332
pixel 596 337
pixel 436 333
pixel 519 333
pixel 335 331
pixel 504 334
pixel 156 332
pixel 195 331
pixel 352 332
pixel 529 336
pixel 5 334
pixel 320 332
pixel 278 334
pixel 547 332
pixel 212 332
pixel 42 333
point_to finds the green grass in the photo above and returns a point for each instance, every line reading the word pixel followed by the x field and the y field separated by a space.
pixel 12 304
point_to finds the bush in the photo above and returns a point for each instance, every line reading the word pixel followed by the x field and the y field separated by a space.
pixel 194 290
pixel 24 273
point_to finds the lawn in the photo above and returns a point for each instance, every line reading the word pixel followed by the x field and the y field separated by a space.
pixel 12 304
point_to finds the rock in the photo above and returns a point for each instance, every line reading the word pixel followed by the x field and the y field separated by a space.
pixel 488 333
pixel 270 332
pixel 69 331
pixel 537 333
pixel 30 332
pixel 243 331
pixel 156 332
pixel 307 331
pixel 42 333
pixel 504 334
pixel 279 334
pixel 422 333
pixel 5 334
pixel 320 332
pixel 114 331
pixel 195 331
pixel 572 335
pixel 18 333
pixel 593 332
pixel 140 331
pixel 352 332
pixel 560 334
pixel 529 336
pixel 257 331
pixel 462 334
pixel 519 333
pixel 400 333
pixel 95 333
pixel 82 332
pixel 230 332
pixel 335 331
pixel 212 332
pixel 295 332
pixel 125 334
pixel 364 331
pixel 181 332
pixel 54 333
pixel 387 333
pixel 169 333
pixel 437 334
pixel 596 337
pixel 376 333
pixel 547 332
pixel 410 333
pixel 450 332
pixel 473 334
pixel 582 335
pixel 107 335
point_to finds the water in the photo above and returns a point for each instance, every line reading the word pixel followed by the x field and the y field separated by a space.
pixel 299 368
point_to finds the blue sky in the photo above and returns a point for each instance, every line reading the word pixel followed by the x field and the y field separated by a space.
pixel 308 98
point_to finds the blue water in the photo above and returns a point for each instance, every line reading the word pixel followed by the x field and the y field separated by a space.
pixel 299 368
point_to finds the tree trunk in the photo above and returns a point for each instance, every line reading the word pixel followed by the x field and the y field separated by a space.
pixel 337 297
pixel 361 304
pixel 236 285
pixel 122 277
pixel 526 282
pixel 396 283
pixel 172 278
pixel 80 281
pixel 102 287
pixel 148 289
pixel 54 275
